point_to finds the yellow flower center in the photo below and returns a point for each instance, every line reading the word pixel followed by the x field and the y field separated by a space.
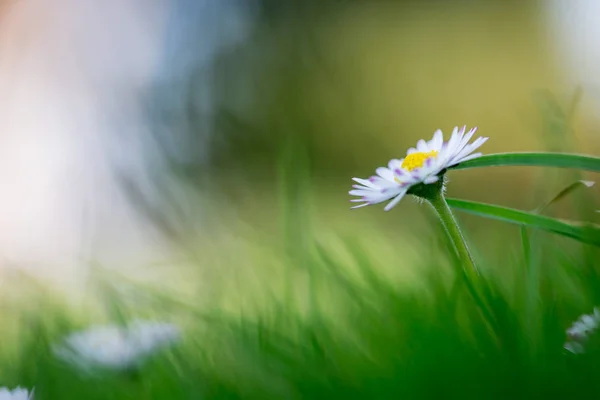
pixel 416 160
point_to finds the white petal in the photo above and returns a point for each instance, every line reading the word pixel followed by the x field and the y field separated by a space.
pixel 411 151
pixel 458 140
pixel 589 321
pixel 396 200
pixel 574 347
pixel 360 205
pixel 579 327
pixel 467 158
pixel 422 146
pixel 429 164
pixel 419 175
pixel 16 394
pixel 431 179
pixel 385 173
pixel 479 142
pixel 400 172
pixel 379 199
pixel 437 141
pixel 407 180
pixel 466 138
pixel 361 192
pixel 394 163
pixel 381 183
pixel 364 182
pixel 355 186
pixel 474 146
pixel 379 195
pixel 450 149
pixel 467 150
pixel 389 192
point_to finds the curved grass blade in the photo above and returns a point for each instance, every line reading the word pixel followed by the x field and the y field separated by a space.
pixel 563 193
pixel 584 233
pixel 533 271
pixel 525 240
pixel 557 160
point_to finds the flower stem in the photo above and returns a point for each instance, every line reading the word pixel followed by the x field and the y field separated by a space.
pixel 451 226
pixel 469 270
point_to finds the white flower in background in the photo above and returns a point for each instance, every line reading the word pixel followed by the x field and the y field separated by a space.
pixel 148 335
pixel 114 347
pixel 579 333
pixel 16 394
pixel 424 164
pixel 106 346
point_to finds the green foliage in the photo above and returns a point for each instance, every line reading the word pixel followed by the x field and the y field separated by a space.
pixel 352 332
pixel 364 337
pixel 558 160
pixel 379 342
pixel 586 233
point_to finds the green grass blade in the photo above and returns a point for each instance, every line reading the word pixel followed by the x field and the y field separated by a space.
pixel 533 271
pixel 563 193
pixel 588 234
pixel 557 160
pixel 526 245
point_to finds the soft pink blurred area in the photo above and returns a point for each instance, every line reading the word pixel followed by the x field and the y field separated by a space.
pixel 71 77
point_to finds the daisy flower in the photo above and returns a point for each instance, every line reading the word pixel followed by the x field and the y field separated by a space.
pixel 579 333
pixel 16 394
pixel 424 165
pixel 115 347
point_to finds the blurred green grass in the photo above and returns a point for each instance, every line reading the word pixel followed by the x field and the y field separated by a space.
pixel 300 308
pixel 347 329
pixel 288 294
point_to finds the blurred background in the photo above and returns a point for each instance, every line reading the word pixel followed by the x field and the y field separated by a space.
pixel 161 139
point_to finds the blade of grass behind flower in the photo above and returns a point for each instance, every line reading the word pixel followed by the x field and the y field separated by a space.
pixel 584 233
pixel 525 238
pixel 563 193
pixel 557 136
pixel 538 159
pixel 532 261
